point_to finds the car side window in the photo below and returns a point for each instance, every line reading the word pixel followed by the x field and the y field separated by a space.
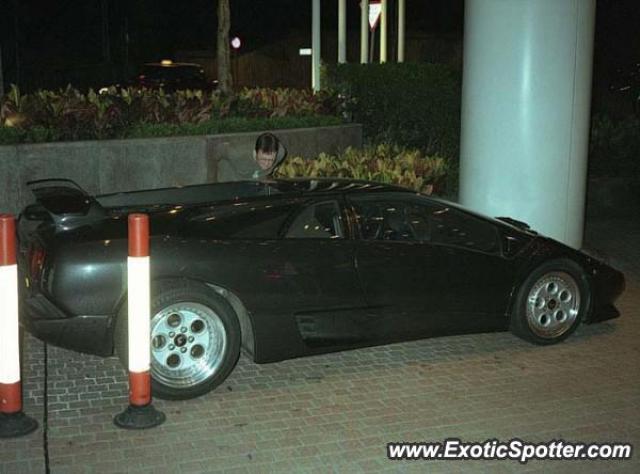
pixel 321 220
pixel 419 219
pixel 391 219
pixel 241 220
pixel 452 227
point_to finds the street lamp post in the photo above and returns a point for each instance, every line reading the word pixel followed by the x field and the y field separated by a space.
pixel 236 44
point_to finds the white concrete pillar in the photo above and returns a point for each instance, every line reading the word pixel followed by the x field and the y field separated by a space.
pixel 384 27
pixel 402 9
pixel 525 112
pixel 364 31
pixel 342 31
pixel 315 45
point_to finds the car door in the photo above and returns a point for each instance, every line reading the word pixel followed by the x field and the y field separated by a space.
pixel 291 262
pixel 316 257
pixel 479 279
pixel 419 274
pixel 395 268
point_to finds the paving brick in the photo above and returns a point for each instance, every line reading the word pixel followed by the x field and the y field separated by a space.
pixel 336 412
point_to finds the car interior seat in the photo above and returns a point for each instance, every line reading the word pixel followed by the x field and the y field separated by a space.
pixel 396 226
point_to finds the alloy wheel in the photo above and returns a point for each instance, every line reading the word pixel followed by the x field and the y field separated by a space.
pixel 553 303
pixel 188 342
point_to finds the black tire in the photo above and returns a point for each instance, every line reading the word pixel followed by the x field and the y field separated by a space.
pixel 534 306
pixel 166 294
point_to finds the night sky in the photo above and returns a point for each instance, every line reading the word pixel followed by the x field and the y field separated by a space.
pixel 53 41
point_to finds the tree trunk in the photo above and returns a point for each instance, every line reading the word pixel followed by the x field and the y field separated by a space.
pixel 225 81
pixel 1 76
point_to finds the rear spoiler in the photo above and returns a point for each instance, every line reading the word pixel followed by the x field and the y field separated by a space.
pixel 64 202
pixel 516 223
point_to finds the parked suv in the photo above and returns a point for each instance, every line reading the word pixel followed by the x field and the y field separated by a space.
pixel 172 76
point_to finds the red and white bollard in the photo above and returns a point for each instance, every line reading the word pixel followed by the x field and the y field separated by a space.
pixel 140 413
pixel 13 422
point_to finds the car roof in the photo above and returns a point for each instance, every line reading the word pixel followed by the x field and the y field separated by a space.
pixel 323 185
pixel 211 192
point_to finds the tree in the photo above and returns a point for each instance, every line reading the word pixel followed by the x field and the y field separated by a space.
pixel 225 81
pixel 1 76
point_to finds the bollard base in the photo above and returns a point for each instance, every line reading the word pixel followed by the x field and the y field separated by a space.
pixel 139 418
pixel 13 425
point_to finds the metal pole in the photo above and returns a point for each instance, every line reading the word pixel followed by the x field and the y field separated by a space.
pixel 342 31
pixel 364 31
pixel 315 46
pixel 401 29
pixel 383 31
pixel 372 43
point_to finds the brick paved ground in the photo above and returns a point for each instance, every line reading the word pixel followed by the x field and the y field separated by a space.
pixel 335 413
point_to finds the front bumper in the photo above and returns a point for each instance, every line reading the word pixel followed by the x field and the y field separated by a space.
pixel 607 285
pixel 92 334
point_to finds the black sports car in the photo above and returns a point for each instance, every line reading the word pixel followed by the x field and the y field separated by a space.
pixel 288 268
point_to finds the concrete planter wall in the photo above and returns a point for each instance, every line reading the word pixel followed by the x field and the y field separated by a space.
pixel 122 165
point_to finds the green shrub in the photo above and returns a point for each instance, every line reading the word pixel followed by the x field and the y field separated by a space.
pixel 413 105
pixel 9 136
pixel 614 147
pixel 69 115
pixel 230 125
pixel 381 163
pixel 262 102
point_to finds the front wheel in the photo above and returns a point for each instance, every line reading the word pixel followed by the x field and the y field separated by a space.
pixel 551 302
pixel 195 339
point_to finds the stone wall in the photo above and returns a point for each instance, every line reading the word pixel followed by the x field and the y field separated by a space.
pixel 124 165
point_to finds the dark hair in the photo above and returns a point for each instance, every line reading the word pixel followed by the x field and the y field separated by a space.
pixel 268 143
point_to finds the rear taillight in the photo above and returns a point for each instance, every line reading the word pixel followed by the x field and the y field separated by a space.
pixel 36 261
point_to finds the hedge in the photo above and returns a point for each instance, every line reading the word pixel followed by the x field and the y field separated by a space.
pixel 411 104
pixel 68 114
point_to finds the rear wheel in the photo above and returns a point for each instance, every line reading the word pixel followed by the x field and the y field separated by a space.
pixel 195 339
pixel 551 302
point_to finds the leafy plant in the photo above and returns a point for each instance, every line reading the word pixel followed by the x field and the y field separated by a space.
pixel 281 102
pixel 68 114
pixel 382 163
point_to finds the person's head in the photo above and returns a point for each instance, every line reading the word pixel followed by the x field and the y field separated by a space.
pixel 266 150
